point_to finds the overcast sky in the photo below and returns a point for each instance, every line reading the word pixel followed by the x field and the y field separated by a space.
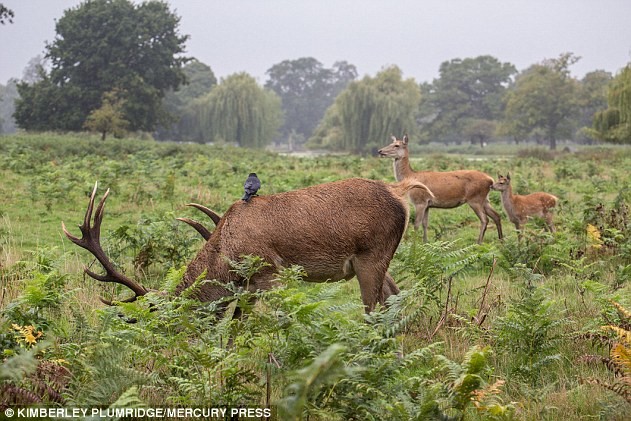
pixel 416 35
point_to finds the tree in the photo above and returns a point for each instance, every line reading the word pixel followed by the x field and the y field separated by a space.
pixel 8 95
pixel 479 130
pixel 200 79
pixel 109 118
pixel 592 98
pixel 469 89
pixel 102 45
pixel 6 14
pixel 34 70
pixel 307 89
pixel 543 97
pixel 368 112
pixel 239 110
pixel 614 123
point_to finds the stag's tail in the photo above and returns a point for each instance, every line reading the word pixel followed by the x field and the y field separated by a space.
pixel 403 187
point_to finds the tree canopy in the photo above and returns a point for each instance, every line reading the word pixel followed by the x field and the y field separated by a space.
pixel 543 98
pixel 368 111
pixel 200 79
pixel 6 14
pixel 614 123
pixel 239 110
pixel 465 98
pixel 307 89
pixel 101 46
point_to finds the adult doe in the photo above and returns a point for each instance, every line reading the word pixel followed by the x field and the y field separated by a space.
pixel 450 188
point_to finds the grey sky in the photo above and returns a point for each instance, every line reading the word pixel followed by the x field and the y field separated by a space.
pixel 253 35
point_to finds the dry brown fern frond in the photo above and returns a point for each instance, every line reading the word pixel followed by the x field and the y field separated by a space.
pixel 12 395
pixel 599 359
pixel 621 388
pixel 621 355
pixel 597 339
pixel 46 384
pixel 625 316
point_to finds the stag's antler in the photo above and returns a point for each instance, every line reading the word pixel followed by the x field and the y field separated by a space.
pixel 198 227
pixel 204 232
pixel 90 240
pixel 211 214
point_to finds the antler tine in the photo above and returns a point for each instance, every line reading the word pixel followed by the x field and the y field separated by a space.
pixel 198 227
pixel 90 240
pixel 209 212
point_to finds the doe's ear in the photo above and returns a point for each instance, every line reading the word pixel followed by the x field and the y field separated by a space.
pixel 405 139
pixel 508 176
pixel 393 138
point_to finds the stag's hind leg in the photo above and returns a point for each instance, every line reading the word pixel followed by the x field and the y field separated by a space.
pixel 371 273
pixel 389 287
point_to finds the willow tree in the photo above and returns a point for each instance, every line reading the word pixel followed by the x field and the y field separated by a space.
pixel 239 110
pixel 368 111
pixel 614 123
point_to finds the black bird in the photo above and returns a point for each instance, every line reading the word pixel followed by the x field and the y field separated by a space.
pixel 251 186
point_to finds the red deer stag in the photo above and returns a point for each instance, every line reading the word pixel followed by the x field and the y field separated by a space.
pixel 519 208
pixel 334 231
pixel 450 188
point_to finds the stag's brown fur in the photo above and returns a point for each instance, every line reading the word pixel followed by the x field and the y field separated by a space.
pixel 334 231
pixel 450 188
pixel 520 208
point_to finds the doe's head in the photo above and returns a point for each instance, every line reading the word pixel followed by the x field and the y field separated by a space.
pixel 397 149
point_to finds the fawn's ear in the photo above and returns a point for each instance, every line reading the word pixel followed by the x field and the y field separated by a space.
pixel 508 176
pixel 405 139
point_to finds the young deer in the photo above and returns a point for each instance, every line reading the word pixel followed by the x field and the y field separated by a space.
pixel 519 208
pixel 450 188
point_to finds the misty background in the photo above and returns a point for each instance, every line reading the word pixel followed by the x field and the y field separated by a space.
pixel 417 36
pixel 331 75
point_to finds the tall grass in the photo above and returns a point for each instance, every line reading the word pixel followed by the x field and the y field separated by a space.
pixel 477 332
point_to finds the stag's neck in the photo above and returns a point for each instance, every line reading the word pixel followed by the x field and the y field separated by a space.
pixel 402 169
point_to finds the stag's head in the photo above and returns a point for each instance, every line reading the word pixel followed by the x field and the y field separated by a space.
pixel 397 149
pixel 502 183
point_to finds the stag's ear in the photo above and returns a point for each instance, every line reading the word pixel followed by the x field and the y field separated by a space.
pixel 405 139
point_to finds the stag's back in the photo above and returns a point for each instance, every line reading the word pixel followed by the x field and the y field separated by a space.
pixel 319 227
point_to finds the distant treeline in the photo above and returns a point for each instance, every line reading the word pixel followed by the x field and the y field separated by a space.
pixel 111 75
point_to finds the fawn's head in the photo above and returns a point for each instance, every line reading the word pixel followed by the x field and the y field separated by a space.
pixel 502 183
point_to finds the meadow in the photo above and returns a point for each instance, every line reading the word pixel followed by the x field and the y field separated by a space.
pixel 530 329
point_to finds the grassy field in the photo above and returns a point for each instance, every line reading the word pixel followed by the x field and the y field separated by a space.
pixel 504 330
